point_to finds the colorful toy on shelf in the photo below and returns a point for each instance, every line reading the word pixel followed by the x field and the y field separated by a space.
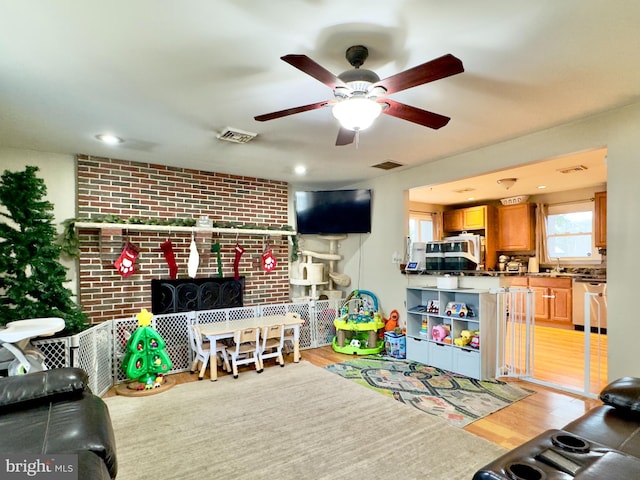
pixel 465 338
pixel 440 332
pixel 424 328
pixel 457 309
pixel 145 356
pixel 475 341
pixel 359 320
pixel 434 306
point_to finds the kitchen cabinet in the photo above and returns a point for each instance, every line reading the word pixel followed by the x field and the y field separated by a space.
pixel 481 220
pixel 470 218
pixel 601 220
pixel 516 228
pixel 553 300
pixel 474 218
pixel 452 220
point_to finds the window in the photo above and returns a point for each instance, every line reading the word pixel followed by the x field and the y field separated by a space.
pixel 570 233
pixel 420 227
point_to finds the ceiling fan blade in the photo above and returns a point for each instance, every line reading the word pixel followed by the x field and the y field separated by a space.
pixel 415 115
pixel 308 66
pixel 345 137
pixel 442 67
pixel 290 111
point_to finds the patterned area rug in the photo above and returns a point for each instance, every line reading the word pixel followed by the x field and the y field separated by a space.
pixel 458 399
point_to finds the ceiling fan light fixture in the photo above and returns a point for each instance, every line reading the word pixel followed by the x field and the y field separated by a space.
pixel 357 113
pixel 109 139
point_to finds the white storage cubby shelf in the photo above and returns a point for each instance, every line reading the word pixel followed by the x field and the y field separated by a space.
pixel 478 363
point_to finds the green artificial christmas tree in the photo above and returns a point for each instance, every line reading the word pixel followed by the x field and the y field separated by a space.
pixel 31 275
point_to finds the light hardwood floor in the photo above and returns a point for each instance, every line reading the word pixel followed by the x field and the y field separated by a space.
pixel 509 427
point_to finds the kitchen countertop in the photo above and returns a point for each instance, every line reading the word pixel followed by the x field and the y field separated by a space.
pixel 578 277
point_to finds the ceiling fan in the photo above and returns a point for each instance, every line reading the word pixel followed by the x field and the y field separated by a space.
pixel 360 94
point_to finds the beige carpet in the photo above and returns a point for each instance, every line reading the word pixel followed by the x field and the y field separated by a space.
pixel 296 422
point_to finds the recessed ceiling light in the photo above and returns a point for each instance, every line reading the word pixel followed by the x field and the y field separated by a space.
pixel 109 139
pixel 541 187
pixel 300 170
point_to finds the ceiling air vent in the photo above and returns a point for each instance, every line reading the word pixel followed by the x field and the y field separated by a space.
pixel 576 168
pixel 388 165
pixel 236 135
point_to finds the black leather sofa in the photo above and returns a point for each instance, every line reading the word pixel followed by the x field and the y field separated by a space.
pixel 602 444
pixel 54 412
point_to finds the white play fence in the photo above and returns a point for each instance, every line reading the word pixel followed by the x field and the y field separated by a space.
pixel 99 349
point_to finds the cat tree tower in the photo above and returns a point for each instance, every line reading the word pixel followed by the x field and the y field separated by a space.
pixel 311 275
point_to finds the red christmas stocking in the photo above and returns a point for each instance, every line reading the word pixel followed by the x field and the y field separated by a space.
pixel 167 249
pixel 239 251
pixel 126 261
pixel 269 261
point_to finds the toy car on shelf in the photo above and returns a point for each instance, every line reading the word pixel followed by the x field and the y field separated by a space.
pixel 457 309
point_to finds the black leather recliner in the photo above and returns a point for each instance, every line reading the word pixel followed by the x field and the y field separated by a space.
pixel 604 443
pixel 54 412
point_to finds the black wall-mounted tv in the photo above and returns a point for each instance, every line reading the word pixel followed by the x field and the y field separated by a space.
pixel 333 211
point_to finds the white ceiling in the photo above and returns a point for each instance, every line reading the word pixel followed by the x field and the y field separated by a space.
pixel 167 76
pixel 575 171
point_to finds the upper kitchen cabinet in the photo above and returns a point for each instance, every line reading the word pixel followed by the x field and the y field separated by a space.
pixel 516 227
pixel 470 218
pixel 601 220
pixel 452 220
pixel 480 220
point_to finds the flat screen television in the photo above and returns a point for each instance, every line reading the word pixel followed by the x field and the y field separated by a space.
pixel 333 211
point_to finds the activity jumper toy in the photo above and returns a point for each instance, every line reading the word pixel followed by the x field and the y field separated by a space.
pixel 358 325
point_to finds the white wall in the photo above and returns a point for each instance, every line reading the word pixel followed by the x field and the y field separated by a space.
pixel 59 175
pixel 367 258
pixel 616 130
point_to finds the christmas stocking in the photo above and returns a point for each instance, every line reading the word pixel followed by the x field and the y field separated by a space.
pixel 194 259
pixel 167 249
pixel 215 248
pixel 239 251
pixel 127 259
pixel 268 261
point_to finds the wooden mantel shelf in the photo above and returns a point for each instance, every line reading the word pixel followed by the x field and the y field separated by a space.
pixel 195 229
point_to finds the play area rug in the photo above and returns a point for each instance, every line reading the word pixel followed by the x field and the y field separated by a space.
pixel 458 399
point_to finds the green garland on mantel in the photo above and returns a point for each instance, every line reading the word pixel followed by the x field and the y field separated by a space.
pixel 70 243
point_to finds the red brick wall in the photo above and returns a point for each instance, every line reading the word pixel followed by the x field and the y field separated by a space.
pixel 129 189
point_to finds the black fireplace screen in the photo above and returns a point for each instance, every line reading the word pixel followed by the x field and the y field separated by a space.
pixel 184 295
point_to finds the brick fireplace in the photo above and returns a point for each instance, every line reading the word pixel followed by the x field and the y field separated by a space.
pixel 129 189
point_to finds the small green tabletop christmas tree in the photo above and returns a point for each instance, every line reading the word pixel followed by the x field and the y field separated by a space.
pixel 146 359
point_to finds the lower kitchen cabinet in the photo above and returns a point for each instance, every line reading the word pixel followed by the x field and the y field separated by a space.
pixel 553 300
pixel 437 317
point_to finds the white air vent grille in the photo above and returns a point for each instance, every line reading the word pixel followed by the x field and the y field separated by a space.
pixel 575 168
pixel 236 135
